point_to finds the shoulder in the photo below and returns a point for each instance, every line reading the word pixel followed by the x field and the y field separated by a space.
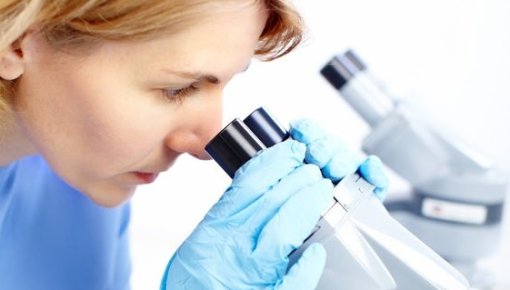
pixel 25 167
pixel 47 222
pixel 21 179
pixel 30 181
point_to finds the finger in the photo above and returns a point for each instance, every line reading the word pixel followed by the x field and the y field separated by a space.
pixel 381 193
pixel 372 169
pixel 320 151
pixel 269 166
pixel 295 220
pixel 306 130
pixel 306 273
pixel 258 176
pixel 271 202
pixel 327 152
pixel 343 163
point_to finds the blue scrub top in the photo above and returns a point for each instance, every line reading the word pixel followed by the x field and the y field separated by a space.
pixel 53 237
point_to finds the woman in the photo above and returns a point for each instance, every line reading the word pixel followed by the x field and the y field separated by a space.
pixel 99 96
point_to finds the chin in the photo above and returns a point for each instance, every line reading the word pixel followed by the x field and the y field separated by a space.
pixel 111 197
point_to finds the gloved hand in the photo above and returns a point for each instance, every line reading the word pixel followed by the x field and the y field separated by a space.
pixel 243 242
pixel 333 157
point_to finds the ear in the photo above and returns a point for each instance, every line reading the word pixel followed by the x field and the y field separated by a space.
pixel 12 62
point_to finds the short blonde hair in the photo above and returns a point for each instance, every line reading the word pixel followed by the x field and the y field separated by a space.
pixel 79 24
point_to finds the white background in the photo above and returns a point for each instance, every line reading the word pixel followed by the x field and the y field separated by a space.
pixel 451 58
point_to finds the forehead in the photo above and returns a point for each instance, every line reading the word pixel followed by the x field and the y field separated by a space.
pixel 214 41
pixel 151 19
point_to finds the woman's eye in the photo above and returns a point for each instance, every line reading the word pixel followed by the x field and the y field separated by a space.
pixel 177 95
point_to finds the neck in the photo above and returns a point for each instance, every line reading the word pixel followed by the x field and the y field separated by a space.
pixel 14 143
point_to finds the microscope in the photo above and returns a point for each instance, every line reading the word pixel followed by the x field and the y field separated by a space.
pixel 366 247
pixel 456 201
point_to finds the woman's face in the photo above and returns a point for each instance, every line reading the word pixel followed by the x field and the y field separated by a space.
pixel 116 117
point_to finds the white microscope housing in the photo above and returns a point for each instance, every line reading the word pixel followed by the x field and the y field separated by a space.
pixel 457 198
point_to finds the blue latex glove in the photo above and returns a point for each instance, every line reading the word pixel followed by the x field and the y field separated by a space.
pixel 243 242
pixel 334 158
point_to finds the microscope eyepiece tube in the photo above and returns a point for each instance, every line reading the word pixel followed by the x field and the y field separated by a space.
pixel 265 127
pixel 240 140
pixel 234 146
pixel 348 74
pixel 341 69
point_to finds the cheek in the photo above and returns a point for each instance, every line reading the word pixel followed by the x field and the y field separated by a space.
pixel 86 124
pixel 118 133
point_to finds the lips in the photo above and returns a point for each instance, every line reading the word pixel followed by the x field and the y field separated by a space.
pixel 150 173
pixel 146 177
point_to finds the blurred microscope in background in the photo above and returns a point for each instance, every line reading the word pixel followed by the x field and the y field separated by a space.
pixel 457 195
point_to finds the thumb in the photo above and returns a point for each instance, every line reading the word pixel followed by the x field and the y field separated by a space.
pixel 306 273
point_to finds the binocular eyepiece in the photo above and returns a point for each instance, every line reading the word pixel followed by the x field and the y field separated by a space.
pixel 240 140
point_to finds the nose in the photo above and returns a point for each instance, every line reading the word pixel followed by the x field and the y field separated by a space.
pixel 209 128
pixel 199 123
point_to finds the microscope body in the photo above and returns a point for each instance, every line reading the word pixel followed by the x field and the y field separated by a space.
pixel 366 247
pixel 456 202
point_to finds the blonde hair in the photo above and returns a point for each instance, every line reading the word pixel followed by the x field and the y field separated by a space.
pixel 77 24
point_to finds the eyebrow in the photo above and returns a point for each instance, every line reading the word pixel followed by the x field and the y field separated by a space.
pixel 199 76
